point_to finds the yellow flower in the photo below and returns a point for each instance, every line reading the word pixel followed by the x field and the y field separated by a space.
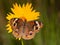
pixel 24 11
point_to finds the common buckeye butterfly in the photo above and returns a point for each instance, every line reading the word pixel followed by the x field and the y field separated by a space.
pixel 23 29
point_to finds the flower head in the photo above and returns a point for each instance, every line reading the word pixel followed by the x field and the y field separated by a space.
pixel 22 12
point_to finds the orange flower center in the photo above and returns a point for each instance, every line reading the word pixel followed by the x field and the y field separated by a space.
pixel 23 18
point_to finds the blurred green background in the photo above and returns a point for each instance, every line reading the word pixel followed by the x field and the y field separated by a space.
pixel 50 16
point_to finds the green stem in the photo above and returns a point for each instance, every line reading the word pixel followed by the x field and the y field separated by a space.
pixel 22 42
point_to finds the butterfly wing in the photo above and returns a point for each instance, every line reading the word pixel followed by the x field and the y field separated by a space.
pixel 32 28
pixel 16 24
pixel 29 31
pixel 24 29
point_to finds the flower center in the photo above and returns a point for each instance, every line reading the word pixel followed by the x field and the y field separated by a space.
pixel 23 18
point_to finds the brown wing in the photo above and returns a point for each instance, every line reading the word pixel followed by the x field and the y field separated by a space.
pixel 31 29
pixel 24 29
pixel 37 26
pixel 16 23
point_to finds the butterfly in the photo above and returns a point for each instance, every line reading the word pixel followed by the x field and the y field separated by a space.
pixel 25 29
